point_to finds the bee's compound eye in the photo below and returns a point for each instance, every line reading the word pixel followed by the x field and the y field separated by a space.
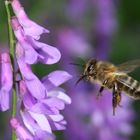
pixel 91 68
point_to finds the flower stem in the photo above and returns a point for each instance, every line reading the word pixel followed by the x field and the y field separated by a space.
pixel 12 55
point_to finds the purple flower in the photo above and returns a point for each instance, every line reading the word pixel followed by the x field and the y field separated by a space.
pixel 30 28
pixel 44 115
pixel 20 130
pixel 23 134
pixel 34 51
pixel 6 81
pixel 33 83
pixel 41 100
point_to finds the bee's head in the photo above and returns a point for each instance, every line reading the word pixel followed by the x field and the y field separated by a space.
pixel 90 67
pixel 89 70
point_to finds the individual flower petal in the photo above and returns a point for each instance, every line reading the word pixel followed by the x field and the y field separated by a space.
pixel 6 81
pixel 4 100
pixel 50 81
pixel 57 122
pixel 42 135
pixel 33 84
pixel 21 132
pixel 59 93
pixel 50 55
pixel 29 122
pixel 44 109
pixel 30 27
pixel 27 98
pixel 54 103
pixel 30 55
pixel 61 125
pixel 56 118
pixel 41 121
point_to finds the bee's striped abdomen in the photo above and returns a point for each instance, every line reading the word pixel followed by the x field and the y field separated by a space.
pixel 130 86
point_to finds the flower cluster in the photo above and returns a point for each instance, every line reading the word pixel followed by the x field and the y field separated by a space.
pixel 40 101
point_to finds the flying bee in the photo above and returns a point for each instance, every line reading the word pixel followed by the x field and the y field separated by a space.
pixel 113 77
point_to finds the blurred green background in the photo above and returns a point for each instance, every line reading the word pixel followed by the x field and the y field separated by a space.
pixel 50 13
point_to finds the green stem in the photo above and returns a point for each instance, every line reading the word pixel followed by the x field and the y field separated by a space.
pixel 10 31
pixel 12 55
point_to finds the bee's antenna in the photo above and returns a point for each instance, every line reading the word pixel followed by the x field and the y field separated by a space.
pixel 82 60
pixel 81 78
pixel 76 64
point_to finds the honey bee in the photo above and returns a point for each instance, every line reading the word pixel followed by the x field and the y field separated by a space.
pixel 113 77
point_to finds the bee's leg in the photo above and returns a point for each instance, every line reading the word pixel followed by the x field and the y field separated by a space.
pixel 100 92
pixel 114 98
pixel 119 99
pixel 101 89
pixel 119 89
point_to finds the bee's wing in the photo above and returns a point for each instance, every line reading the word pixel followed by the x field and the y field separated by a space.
pixel 127 83
pixel 128 66
pixel 124 81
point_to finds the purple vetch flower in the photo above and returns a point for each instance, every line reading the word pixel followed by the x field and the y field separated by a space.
pixel 41 100
pixel 33 83
pixel 43 116
pixel 37 89
pixel 30 28
pixel 6 81
pixel 21 132
pixel 34 51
